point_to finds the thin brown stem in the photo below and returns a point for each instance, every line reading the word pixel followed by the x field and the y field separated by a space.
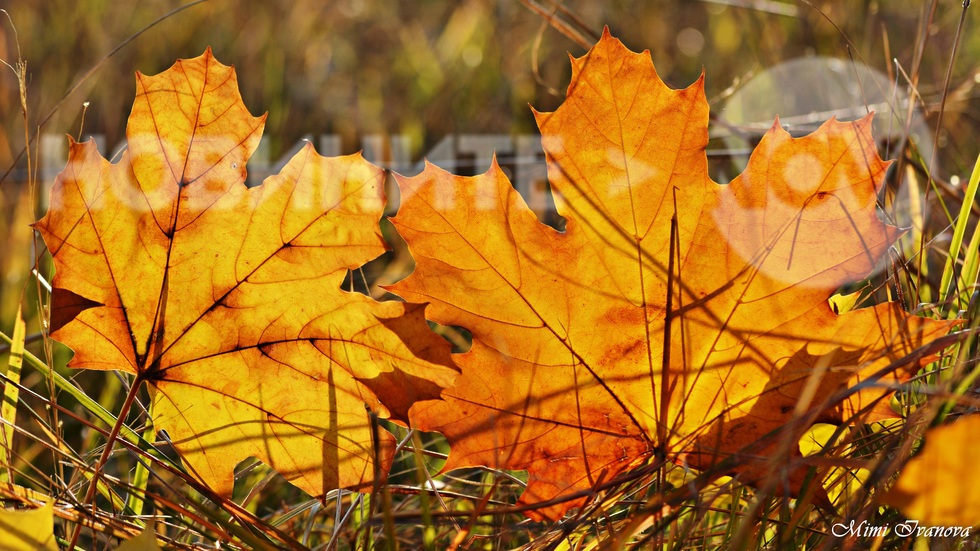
pixel 94 482
pixel 558 24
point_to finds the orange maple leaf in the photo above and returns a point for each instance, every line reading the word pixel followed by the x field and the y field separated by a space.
pixel 673 313
pixel 226 300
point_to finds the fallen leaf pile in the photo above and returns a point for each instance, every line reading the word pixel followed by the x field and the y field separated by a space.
pixel 673 314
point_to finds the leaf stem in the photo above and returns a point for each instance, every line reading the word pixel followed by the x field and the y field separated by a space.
pixel 120 420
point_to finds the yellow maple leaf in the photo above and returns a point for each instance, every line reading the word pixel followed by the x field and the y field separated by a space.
pixel 225 300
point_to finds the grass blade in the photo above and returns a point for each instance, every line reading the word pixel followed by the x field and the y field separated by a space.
pixel 11 394
pixel 141 477
pixel 959 230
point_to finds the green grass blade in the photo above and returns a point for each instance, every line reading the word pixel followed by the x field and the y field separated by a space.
pixel 141 477
pixel 11 393
pixel 970 274
pixel 959 230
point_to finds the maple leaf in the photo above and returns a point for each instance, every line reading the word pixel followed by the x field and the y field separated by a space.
pixel 145 541
pixel 673 313
pixel 29 530
pixel 226 300
pixel 938 486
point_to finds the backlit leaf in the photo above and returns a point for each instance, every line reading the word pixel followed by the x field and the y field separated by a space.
pixel 226 300
pixel 28 530
pixel 596 346
pixel 938 486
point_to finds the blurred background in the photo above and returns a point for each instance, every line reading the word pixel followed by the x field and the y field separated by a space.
pixel 453 80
